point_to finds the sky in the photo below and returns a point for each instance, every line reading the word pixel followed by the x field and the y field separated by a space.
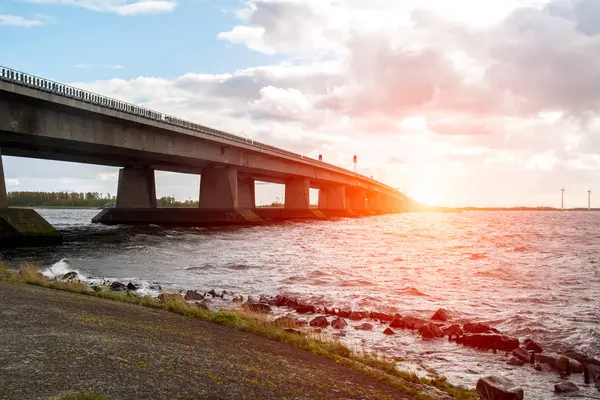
pixel 468 102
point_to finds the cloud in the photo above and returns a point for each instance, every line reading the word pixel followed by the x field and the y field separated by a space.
pixel 16 20
pixel 120 7
pixel 12 182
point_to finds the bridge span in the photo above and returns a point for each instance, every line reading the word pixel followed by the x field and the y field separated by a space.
pixel 43 119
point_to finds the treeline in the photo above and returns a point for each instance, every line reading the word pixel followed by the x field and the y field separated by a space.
pixel 88 199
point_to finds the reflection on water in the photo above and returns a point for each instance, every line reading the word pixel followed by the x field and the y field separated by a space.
pixel 529 274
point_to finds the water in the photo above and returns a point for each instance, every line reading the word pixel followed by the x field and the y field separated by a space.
pixel 529 274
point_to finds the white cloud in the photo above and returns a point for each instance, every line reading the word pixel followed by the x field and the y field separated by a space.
pixel 121 7
pixel 12 182
pixel 16 20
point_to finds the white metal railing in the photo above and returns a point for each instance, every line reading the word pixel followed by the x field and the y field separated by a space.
pixel 60 89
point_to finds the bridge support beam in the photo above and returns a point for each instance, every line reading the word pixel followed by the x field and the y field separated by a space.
pixel 23 227
pixel 246 194
pixel 136 188
pixel 332 201
pixel 356 200
pixel 297 194
pixel 219 189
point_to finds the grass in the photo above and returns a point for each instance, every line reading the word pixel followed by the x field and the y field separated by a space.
pixel 81 396
pixel 377 366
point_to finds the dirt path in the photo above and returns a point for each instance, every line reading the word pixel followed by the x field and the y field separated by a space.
pixel 54 342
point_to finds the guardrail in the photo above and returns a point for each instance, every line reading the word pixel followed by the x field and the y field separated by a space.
pixel 60 89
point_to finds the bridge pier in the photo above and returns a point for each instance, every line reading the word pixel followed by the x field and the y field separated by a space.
pixel 246 194
pixel 332 201
pixel 23 227
pixel 297 194
pixel 356 200
pixel 219 189
pixel 136 188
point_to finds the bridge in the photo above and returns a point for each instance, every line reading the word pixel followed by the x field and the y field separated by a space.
pixel 40 118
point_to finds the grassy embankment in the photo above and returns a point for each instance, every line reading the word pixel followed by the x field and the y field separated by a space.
pixel 374 365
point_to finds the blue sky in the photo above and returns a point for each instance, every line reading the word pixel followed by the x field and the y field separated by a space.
pixel 444 100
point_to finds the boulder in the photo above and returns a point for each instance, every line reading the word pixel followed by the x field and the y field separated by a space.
pixel 238 299
pixel 305 309
pixel 543 368
pixel 204 305
pixel 566 387
pixel 343 313
pixel 381 316
pixel 214 294
pixel 257 307
pixel 329 311
pixel 192 295
pixel 364 327
pixel 118 286
pixel 320 322
pixel 532 346
pixel 132 287
pixel 69 276
pixel 339 323
pixel 582 358
pixel 452 330
pixel 430 331
pixel 358 315
pixel 389 331
pixel 498 388
pixel 412 323
pixel 559 362
pixel 522 354
pixel 441 315
pixel 489 341
pixel 476 328
pixel 517 362
pixel 165 297
pixel 594 371
pixel 290 322
pixel 294 331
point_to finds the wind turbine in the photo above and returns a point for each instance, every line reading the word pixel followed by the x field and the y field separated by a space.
pixel 562 198
pixel 589 198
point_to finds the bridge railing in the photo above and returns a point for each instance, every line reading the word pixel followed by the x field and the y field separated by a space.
pixel 60 89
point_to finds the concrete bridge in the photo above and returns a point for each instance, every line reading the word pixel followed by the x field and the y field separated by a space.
pixel 43 119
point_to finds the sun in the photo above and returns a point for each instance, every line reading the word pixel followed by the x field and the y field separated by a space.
pixel 426 195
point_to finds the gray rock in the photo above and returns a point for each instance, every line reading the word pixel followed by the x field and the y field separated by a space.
pixel 319 322
pixel 498 388
pixel 389 331
pixel 365 327
pixel 339 323
pixel 430 331
pixel 358 315
pixel 132 287
pixel 118 286
pixel 565 387
pixel 517 362
pixel 69 276
pixel 532 346
pixel 257 307
pixel 556 362
pixel 441 315
pixel 192 295
pixel 522 354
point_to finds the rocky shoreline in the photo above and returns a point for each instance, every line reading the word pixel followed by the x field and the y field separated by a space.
pixel 302 318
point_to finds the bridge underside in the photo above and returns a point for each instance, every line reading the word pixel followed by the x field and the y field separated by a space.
pixel 53 128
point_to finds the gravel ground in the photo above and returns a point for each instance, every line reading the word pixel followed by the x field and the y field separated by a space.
pixel 53 343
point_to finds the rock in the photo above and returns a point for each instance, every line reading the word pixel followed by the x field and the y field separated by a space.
pixel 582 358
pixel 489 341
pixel 476 328
pixel 165 297
pixel 358 315
pixel 290 322
pixel 566 387
pixel 517 362
pixel 96 288
pixel 294 331
pixel 412 323
pixel 522 354
pixel 441 315
pixel 320 322
pixel 559 362
pixel 117 286
pixel 389 331
pixel 238 299
pixel 452 330
pixel 204 305
pixel 69 276
pixel 132 287
pixel 213 293
pixel 329 311
pixel 381 316
pixel 498 388
pixel 430 331
pixel 257 307
pixel 532 346
pixel 594 371
pixel 343 313
pixel 192 295
pixel 364 327
pixel 339 323
pixel 305 309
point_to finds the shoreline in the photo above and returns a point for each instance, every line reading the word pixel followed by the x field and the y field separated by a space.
pixel 373 365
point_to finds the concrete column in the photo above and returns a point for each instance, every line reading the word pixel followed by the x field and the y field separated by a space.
pixel 136 188
pixel 374 201
pixel 246 194
pixel 356 199
pixel 219 189
pixel 3 195
pixel 297 195
pixel 332 197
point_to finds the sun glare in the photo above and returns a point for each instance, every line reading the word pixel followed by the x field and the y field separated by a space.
pixel 426 195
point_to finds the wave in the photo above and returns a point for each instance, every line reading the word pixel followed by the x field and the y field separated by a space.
pixel 478 256
pixel 411 291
